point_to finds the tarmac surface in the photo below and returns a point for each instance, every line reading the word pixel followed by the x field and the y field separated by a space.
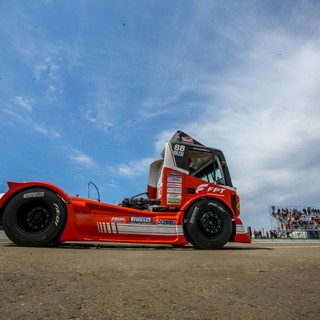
pixel 262 280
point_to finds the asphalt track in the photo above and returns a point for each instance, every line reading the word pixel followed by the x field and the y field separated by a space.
pixel 262 280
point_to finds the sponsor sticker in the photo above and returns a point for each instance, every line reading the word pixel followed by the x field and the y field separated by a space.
pixel 141 220
pixel 33 195
pixel 167 222
pixel 174 185
pixel 174 202
pixel 57 219
pixel 213 204
pixel 118 219
pixel 174 179
pixel 187 139
pixel 205 187
pixel 194 214
pixel 174 198
pixel 174 174
pixel 174 190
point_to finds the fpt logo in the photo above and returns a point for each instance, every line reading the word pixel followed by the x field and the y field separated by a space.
pixel 205 187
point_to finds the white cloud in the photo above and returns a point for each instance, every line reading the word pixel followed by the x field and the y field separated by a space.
pixel 45 131
pixel 47 73
pixel 133 168
pixel 12 115
pixel 24 103
pixel 25 118
pixel 81 159
pixel 162 138
pixel 100 117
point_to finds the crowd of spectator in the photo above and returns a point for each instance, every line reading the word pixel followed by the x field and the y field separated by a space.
pixel 292 219
pixel 271 234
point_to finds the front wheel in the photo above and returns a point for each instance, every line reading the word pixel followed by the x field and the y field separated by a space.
pixel 207 225
pixel 34 217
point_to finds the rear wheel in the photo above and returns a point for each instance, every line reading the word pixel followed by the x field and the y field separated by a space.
pixel 207 225
pixel 34 217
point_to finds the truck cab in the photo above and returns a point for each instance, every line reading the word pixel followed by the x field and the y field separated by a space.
pixel 189 170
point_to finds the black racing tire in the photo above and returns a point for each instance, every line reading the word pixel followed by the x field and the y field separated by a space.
pixel 207 225
pixel 34 217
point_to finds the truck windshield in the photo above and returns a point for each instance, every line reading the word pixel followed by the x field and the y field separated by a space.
pixel 206 166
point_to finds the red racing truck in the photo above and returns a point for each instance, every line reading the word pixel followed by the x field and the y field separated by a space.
pixel 190 199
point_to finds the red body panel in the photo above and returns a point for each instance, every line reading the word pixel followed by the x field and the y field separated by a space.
pixel 15 187
pixel 95 221
pixel 90 220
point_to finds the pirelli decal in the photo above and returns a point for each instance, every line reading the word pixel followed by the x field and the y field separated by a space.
pixel 126 228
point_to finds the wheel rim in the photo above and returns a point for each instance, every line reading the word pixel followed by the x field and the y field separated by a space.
pixel 34 219
pixel 210 224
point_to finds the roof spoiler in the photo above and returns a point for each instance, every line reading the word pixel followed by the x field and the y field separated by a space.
pixel 180 136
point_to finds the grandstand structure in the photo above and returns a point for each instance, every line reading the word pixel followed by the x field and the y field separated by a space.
pixel 295 222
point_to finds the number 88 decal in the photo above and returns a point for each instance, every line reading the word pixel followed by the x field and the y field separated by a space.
pixel 179 150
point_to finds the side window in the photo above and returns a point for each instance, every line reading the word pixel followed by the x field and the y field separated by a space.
pixel 217 172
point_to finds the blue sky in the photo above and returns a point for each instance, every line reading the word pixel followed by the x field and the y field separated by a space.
pixel 91 90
